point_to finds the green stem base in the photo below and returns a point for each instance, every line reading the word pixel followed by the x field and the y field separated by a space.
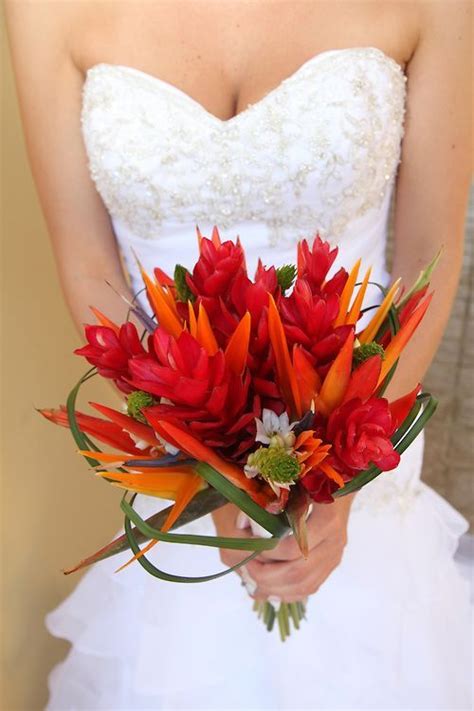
pixel 288 613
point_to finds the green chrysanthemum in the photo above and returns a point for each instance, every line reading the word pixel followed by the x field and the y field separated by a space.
pixel 286 276
pixel 366 351
pixel 274 464
pixel 136 401
pixel 182 288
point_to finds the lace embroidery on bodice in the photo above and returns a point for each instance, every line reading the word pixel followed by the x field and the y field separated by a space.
pixel 321 149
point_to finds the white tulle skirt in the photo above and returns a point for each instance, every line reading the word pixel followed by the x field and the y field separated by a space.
pixel 390 628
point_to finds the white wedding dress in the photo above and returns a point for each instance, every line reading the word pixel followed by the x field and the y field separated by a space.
pixel 390 628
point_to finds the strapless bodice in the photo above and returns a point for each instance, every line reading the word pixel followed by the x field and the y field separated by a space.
pixel 319 152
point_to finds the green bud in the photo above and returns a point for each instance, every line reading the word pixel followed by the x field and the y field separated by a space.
pixel 136 401
pixel 366 351
pixel 275 464
pixel 286 276
pixel 184 292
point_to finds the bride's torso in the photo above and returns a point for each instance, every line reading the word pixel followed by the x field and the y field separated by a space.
pixel 201 125
pixel 210 119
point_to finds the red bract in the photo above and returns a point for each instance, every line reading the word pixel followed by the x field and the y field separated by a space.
pixel 360 435
pixel 315 263
pixel 110 352
pixel 319 487
pixel 206 398
pixel 308 320
pixel 217 266
pixel 261 358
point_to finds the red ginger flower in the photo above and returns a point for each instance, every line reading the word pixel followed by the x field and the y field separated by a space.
pixel 314 265
pixel 205 396
pixel 216 268
pixel 308 320
pixel 360 434
pixel 310 311
pixel 110 352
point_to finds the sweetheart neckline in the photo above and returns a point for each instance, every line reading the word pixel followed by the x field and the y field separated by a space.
pixel 260 102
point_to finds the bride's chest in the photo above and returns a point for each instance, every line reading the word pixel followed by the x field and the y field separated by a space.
pixel 326 141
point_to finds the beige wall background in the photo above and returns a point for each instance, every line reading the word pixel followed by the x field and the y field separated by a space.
pixel 53 510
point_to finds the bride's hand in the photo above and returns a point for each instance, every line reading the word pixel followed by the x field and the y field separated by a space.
pixel 283 572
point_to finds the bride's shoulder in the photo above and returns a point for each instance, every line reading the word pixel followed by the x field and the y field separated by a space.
pixel 41 32
pixel 51 34
pixel 446 22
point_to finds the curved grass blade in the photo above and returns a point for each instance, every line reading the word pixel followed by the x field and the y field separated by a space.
pixel 202 504
pixel 162 575
pixel 81 440
pixel 277 525
pixel 250 544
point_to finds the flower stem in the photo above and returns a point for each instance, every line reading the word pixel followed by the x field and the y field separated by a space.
pixel 287 612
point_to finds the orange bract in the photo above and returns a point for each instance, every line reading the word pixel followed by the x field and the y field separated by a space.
pixel 236 351
pixel 285 371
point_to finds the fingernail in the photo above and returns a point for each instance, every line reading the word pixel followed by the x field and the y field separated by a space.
pixel 242 521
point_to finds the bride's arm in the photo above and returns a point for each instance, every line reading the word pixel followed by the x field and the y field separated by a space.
pixel 49 87
pixel 431 200
pixel 434 175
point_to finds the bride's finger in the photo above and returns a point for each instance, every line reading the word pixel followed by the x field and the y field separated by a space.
pixel 296 577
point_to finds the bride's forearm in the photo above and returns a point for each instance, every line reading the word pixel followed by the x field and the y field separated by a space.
pixel 84 291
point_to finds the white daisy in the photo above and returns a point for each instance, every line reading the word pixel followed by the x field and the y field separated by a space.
pixel 275 430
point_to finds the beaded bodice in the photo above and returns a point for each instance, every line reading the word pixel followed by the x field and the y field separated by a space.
pixel 317 153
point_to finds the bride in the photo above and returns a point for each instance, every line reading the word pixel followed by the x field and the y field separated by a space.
pixel 274 120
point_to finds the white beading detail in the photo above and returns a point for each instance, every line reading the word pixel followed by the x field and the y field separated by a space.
pixel 320 149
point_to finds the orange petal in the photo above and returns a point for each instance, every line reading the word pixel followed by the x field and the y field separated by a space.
pixel 199 238
pixel 201 452
pixel 107 457
pixel 216 240
pixel 238 346
pixel 302 437
pixel 332 473
pixel 347 294
pixel 169 297
pixel 160 301
pixel 205 334
pixel 400 340
pixel 164 484
pixel 192 320
pixel 104 320
pixel 182 500
pixel 354 313
pixel 284 366
pixel 369 333
pixel 307 377
pixel 338 376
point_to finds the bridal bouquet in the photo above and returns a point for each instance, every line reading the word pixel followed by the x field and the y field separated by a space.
pixel 263 393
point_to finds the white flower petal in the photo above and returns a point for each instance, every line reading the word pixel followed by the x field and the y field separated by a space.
pixel 139 443
pixel 261 435
pixel 170 448
pixel 284 422
pixel 271 420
